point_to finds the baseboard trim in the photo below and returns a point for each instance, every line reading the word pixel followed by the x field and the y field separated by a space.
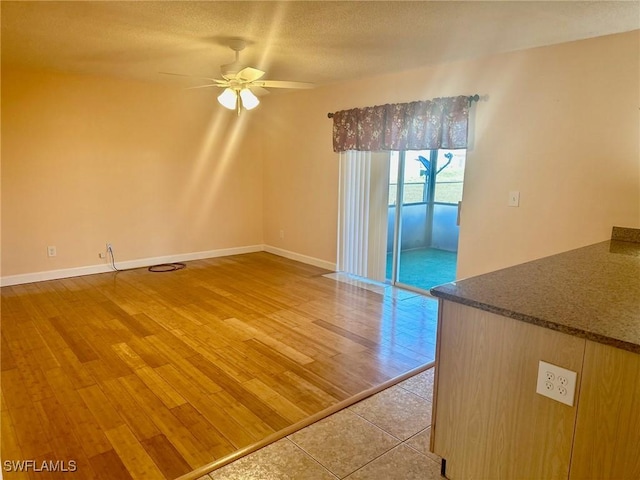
pixel 316 262
pixel 143 262
pixel 146 262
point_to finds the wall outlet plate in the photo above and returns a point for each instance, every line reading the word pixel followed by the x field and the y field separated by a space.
pixel 514 199
pixel 556 383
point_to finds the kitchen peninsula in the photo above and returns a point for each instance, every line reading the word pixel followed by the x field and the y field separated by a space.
pixel 579 310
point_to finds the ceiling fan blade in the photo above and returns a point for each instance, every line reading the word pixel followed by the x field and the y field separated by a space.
pixel 284 84
pixel 259 91
pixel 216 80
pixel 249 74
pixel 219 85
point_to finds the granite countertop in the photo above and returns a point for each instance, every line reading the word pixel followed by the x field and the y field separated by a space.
pixel 592 292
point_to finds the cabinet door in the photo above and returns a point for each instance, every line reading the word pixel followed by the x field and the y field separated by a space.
pixel 607 443
pixel 489 421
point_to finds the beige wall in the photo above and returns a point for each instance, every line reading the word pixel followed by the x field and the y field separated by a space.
pixel 160 171
pixel 560 124
pixel 154 170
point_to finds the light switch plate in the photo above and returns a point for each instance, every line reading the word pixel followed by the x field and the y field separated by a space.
pixel 514 199
pixel 556 383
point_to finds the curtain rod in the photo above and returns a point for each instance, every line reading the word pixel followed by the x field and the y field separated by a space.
pixel 472 98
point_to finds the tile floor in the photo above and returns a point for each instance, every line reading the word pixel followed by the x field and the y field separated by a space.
pixel 385 436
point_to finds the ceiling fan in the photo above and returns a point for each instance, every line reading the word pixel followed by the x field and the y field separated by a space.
pixel 242 84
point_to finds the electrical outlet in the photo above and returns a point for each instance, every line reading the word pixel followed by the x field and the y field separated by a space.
pixel 281 233
pixel 556 383
pixel 51 251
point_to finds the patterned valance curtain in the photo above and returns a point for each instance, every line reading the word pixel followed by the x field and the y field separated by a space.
pixel 423 125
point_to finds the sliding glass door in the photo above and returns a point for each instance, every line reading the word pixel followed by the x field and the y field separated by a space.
pixel 425 189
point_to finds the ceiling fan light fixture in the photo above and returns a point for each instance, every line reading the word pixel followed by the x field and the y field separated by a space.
pixel 228 99
pixel 249 100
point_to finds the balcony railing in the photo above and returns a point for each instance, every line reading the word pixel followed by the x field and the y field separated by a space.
pixel 415 227
pixel 416 192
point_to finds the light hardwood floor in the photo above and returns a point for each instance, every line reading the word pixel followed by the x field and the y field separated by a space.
pixel 152 375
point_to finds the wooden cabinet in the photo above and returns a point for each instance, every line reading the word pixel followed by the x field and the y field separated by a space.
pixel 607 441
pixel 488 421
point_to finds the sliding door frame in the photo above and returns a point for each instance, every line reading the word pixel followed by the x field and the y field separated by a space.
pixel 397 234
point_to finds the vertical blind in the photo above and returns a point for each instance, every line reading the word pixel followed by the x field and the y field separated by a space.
pixel 364 193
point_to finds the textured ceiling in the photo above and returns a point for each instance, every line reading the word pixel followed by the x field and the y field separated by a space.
pixel 320 42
